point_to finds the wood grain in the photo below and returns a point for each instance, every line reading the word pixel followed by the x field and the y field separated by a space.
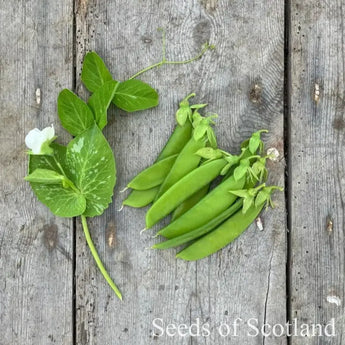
pixel 35 247
pixel 242 80
pixel 317 166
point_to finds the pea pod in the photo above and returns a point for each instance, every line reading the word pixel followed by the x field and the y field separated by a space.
pixel 221 236
pixel 189 203
pixel 175 144
pixel 177 140
pixel 183 189
pixel 186 161
pixel 214 203
pixel 140 198
pixel 154 175
pixel 192 235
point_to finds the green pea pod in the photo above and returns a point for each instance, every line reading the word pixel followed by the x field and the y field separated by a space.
pixel 140 198
pixel 183 189
pixel 186 161
pixel 190 202
pixel 177 140
pixel 221 236
pixel 175 144
pixel 214 203
pixel 154 175
pixel 192 235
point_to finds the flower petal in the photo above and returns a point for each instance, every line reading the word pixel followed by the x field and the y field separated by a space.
pixel 32 137
pixel 48 133
pixel 36 147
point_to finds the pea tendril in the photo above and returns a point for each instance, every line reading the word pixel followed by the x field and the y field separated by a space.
pixel 205 47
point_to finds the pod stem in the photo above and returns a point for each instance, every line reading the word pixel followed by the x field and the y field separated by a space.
pixel 97 259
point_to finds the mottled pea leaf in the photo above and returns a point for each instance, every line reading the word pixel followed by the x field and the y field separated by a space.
pixel 94 73
pixel 74 113
pixel 63 202
pixel 46 176
pixel 100 100
pixel 92 168
pixel 132 95
pixel 48 162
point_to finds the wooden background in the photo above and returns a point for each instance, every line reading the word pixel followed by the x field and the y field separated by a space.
pixel 277 65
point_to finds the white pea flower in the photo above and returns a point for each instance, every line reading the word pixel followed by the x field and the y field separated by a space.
pixel 38 141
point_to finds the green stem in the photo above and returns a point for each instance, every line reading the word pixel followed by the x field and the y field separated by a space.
pixel 165 62
pixel 97 259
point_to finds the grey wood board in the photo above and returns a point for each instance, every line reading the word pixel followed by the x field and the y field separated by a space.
pixel 36 52
pixel 242 80
pixel 317 175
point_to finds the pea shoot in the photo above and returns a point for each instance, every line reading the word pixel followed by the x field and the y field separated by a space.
pixel 79 179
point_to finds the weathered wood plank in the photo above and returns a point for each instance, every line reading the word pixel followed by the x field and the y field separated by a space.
pixel 317 166
pixel 243 82
pixel 35 247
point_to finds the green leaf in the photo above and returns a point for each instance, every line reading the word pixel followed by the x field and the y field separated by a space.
pixel 48 162
pixel 261 198
pixel 100 101
pixel 198 106
pixel 196 119
pixel 74 113
pixel 212 137
pixel 199 131
pixel 132 95
pixel 209 153
pixel 242 193
pixel 182 115
pixel 94 73
pixel 63 202
pixel 254 143
pixel 247 203
pixel 225 169
pixel 46 176
pixel 239 172
pixel 92 167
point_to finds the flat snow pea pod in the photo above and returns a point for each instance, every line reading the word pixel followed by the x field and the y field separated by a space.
pixel 221 236
pixel 186 161
pixel 192 235
pixel 183 189
pixel 140 198
pixel 190 202
pixel 175 144
pixel 178 139
pixel 154 175
pixel 214 203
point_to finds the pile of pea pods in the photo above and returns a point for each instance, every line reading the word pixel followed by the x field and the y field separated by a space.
pixel 205 215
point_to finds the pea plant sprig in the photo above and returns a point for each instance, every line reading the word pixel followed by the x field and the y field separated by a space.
pixel 78 179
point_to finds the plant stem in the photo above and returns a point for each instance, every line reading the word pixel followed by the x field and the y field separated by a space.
pixel 97 259
pixel 165 62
